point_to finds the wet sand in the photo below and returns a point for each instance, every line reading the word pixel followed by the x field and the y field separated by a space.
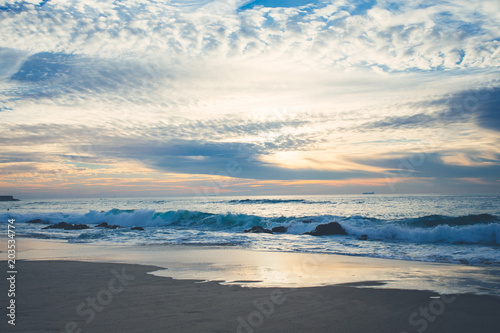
pixel 81 288
pixel 228 264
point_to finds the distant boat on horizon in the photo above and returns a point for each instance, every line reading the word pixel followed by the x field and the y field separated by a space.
pixel 369 193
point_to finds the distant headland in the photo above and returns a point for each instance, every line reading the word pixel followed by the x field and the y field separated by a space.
pixel 7 198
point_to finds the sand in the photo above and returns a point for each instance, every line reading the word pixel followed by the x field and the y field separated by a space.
pixel 57 296
pixel 90 296
pixel 270 269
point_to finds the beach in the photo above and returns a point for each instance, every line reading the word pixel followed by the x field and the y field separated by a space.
pixel 401 264
pixel 106 293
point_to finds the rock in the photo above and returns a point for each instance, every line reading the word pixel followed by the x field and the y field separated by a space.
pixel 279 229
pixel 332 228
pixel 39 221
pixel 7 198
pixel 107 226
pixel 67 226
pixel 60 225
pixel 137 228
pixel 363 237
pixel 258 230
pixel 306 221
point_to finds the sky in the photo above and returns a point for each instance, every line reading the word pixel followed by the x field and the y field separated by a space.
pixel 268 97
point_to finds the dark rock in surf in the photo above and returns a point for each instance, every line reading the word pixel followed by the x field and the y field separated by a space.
pixel 259 230
pixel 280 229
pixel 332 228
pixel 137 228
pixel 60 225
pixel 67 226
pixel 363 237
pixel 107 226
pixel 306 221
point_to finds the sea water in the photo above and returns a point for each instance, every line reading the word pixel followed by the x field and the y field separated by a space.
pixel 463 229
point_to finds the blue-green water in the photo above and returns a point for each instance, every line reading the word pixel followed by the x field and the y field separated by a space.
pixel 435 228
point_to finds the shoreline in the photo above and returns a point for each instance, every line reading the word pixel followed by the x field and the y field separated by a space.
pixel 77 296
pixel 238 266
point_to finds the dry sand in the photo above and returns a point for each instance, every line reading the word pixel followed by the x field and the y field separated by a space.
pixel 57 296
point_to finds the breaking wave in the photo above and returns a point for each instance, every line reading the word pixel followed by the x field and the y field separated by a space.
pixel 470 229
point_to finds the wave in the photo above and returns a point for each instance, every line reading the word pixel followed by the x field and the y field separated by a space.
pixel 470 229
pixel 275 201
pixel 487 234
pixel 436 220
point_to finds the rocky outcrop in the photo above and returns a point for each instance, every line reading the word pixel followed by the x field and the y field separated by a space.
pixel 259 230
pixel 107 226
pixel 280 229
pixel 137 228
pixel 60 225
pixel 7 198
pixel 67 226
pixel 332 228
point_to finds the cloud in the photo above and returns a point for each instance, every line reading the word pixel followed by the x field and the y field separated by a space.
pixel 414 121
pixel 10 62
pixel 43 66
pixel 308 89
pixel 480 106
pixel 22 157
pixel 430 164
pixel 276 4
pixel 181 142
pixel 234 159
pixel 154 53
pixel 355 33
pixel 483 105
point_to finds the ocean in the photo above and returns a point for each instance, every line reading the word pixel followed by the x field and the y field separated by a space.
pixel 460 229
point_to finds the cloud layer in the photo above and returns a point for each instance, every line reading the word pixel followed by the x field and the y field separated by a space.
pixel 275 90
